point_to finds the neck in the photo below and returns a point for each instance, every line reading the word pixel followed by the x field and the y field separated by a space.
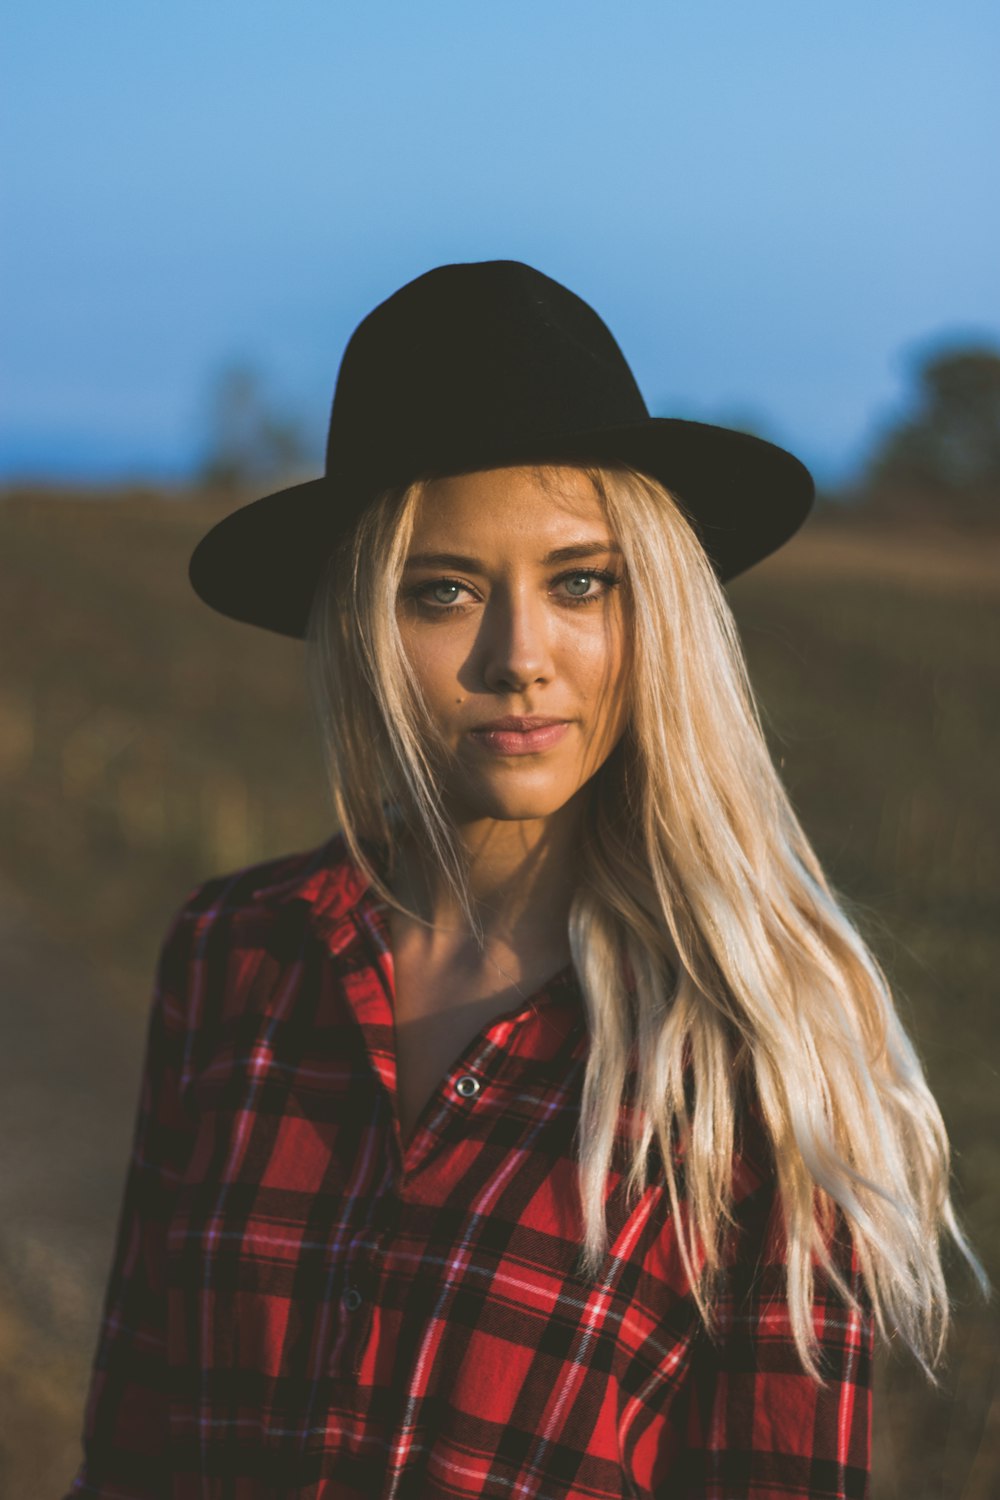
pixel 521 883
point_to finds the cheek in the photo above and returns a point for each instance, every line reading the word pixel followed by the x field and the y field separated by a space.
pixel 434 660
pixel 598 663
pixel 608 685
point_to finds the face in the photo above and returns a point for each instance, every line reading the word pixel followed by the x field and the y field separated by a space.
pixel 495 624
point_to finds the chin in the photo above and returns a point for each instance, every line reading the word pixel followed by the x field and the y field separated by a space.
pixel 509 804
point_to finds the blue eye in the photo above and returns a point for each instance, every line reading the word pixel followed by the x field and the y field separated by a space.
pixel 610 581
pixel 443 584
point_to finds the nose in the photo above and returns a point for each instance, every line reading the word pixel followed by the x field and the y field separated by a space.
pixel 514 638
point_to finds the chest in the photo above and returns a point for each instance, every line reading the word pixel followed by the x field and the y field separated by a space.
pixel 438 1012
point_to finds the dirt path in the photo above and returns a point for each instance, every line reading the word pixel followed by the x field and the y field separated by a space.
pixel 69 1078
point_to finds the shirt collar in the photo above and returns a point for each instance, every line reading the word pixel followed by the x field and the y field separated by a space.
pixel 327 877
pixel 337 892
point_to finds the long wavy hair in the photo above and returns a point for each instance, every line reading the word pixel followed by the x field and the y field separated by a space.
pixel 695 873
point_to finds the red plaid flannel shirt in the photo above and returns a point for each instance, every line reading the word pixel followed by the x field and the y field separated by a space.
pixel 298 1308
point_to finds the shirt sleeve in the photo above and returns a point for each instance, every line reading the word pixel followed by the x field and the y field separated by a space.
pixel 758 1426
pixel 124 1434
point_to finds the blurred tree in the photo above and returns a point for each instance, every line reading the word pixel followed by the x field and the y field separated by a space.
pixel 248 442
pixel 950 445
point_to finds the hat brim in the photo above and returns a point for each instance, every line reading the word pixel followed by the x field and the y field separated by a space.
pixel 744 496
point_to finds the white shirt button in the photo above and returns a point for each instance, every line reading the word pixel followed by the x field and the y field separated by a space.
pixel 352 1299
pixel 467 1085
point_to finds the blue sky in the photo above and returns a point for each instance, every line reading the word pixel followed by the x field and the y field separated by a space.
pixel 775 206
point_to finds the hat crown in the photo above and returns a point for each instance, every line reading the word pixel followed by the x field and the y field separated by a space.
pixel 473 364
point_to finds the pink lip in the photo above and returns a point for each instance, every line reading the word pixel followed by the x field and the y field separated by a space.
pixel 520 742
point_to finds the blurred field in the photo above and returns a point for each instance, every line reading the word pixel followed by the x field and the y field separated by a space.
pixel 147 743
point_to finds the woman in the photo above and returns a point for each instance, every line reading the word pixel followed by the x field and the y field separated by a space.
pixel 549 1130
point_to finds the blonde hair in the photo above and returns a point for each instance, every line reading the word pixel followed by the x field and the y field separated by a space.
pixel 696 871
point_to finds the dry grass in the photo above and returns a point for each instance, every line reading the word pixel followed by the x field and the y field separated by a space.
pixel 938 558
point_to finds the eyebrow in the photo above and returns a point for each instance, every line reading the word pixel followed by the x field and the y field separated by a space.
pixel 473 564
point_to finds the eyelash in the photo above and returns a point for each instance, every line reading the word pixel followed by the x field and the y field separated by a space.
pixel 611 580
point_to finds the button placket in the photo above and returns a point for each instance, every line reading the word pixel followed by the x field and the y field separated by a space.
pixel 360 1310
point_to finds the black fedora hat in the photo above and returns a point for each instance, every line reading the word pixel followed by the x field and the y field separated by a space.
pixel 475 366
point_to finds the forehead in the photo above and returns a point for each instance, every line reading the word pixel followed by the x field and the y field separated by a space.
pixel 526 503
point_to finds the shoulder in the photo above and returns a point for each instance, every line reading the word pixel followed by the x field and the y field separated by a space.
pixel 263 887
pixel 242 908
pixel 249 888
pixel 234 935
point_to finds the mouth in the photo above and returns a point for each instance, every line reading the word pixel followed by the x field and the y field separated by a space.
pixel 520 741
